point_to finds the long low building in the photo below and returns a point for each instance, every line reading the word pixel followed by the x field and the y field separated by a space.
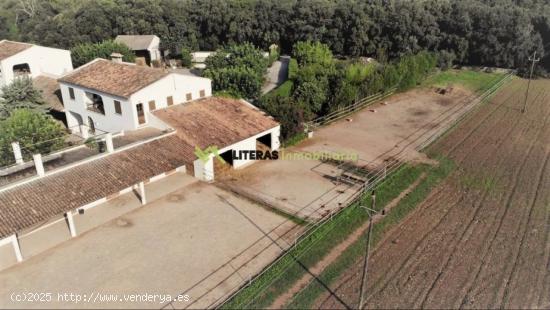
pixel 225 124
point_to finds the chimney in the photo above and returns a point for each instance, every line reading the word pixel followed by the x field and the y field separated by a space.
pixel 116 57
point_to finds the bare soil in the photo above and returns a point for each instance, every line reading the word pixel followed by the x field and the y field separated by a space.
pixel 396 127
pixel 307 188
pixel 482 238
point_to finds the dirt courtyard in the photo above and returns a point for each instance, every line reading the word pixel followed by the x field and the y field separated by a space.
pixel 481 239
pixel 198 240
pixel 308 188
pixel 398 125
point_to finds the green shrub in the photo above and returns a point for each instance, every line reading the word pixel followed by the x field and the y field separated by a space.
pixel 238 69
pixel 289 114
pixel 292 68
pixel 36 133
pixel 87 52
pixel 308 52
pixel 240 81
pixel 186 58
pixel 20 94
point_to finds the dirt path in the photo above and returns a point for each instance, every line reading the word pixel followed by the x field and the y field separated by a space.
pixel 481 239
pixel 338 250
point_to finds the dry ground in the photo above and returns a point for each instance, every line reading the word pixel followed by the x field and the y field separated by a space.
pixel 307 188
pixel 482 238
pixel 198 240
pixel 393 129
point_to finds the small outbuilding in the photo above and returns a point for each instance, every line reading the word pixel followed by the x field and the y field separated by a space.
pixel 19 59
pixel 146 46
pixel 223 128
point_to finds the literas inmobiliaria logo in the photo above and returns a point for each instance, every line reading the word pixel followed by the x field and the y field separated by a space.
pixel 204 155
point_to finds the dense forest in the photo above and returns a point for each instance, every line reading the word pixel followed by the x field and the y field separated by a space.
pixel 472 32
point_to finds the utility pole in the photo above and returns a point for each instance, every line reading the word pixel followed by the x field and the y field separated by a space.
pixel 366 261
pixel 533 61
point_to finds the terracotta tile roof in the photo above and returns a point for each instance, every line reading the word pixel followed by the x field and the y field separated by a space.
pixel 10 48
pixel 119 79
pixel 136 42
pixel 50 91
pixel 35 202
pixel 215 121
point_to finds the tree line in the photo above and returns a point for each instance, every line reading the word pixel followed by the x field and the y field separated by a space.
pixel 500 33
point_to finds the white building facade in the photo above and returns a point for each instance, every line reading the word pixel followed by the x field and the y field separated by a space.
pixel 22 59
pixel 91 102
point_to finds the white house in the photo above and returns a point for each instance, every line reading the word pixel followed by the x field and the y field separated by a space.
pixel 146 46
pixel 23 59
pixel 113 96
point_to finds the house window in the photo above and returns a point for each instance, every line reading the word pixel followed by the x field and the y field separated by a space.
pixel 95 103
pixel 71 93
pixel 202 93
pixel 188 97
pixel 170 101
pixel 118 108
pixel 152 105
pixel 21 70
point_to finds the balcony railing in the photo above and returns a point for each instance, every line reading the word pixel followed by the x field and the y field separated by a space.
pixel 96 107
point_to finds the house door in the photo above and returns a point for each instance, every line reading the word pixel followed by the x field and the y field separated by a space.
pixel 140 114
pixel 91 125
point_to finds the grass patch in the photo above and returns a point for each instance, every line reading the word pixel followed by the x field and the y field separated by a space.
pixel 295 139
pixel 480 182
pixel 292 68
pixel 476 81
pixel 352 254
pixel 226 94
pixel 278 279
pixel 283 90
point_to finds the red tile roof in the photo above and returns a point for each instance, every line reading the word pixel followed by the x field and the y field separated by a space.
pixel 119 79
pixel 10 48
pixel 210 121
pixel 136 42
pixel 215 121
pixel 50 92
pixel 35 202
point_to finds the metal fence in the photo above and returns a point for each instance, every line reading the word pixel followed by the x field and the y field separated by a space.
pixel 375 178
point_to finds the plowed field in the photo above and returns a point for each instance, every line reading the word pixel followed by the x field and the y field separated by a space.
pixel 482 238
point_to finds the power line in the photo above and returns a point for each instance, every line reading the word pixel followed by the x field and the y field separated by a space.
pixel 533 61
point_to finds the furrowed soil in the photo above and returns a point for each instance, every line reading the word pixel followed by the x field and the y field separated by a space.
pixel 481 239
